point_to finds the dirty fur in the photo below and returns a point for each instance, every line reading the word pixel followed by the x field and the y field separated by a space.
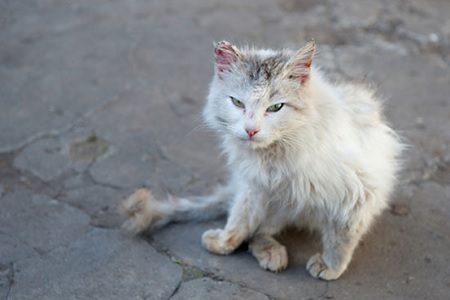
pixel 301 151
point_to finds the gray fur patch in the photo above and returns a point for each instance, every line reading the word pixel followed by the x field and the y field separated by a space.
pixel 264 70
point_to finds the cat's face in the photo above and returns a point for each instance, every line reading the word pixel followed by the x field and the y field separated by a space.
pixel 255 94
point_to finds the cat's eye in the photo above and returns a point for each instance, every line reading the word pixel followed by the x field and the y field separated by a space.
pixel 237 102
pixel 275 107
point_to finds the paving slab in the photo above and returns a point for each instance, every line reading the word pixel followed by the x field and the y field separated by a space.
pixel 241 266
pixel 39 221
pixel 38 75
pixel 206 288
pixel 50 158
pixel 102 264
pixel 6 279
pixel 12 249
pixel 100 202
pixel 45 159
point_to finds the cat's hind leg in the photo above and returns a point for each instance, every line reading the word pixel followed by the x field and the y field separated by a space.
pixel 145 213
pixel 270 254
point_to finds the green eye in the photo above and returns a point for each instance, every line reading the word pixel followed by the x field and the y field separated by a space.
pixel 275 107
pixel 237 102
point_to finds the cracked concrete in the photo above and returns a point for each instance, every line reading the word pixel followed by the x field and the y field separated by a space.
pixel 205 288
pixel 98 100
pixel 6 279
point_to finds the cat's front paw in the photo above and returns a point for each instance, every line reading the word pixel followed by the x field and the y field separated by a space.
pixel 219 241
pixel 319 269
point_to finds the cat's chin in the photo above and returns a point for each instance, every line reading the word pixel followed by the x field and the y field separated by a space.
pixel 255 143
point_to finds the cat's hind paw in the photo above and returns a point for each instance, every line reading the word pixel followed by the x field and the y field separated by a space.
pixel 274 259
pixel 219 241
pixel 318 269
pixel 270 254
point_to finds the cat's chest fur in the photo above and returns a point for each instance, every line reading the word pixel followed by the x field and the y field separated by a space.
pixel 279 171
pixel 301 178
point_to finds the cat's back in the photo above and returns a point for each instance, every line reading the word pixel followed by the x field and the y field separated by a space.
pixel 361 104
pixel 376 146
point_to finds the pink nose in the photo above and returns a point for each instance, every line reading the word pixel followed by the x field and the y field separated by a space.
pixel 251 131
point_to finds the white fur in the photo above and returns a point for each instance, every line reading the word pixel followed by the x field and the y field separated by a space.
pixel 327 160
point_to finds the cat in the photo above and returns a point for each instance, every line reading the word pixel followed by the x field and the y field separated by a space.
pixel 302 151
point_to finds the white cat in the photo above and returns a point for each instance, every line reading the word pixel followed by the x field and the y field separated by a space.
pixel 301 151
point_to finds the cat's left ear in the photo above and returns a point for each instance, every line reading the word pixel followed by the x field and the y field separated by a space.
pixel 299 66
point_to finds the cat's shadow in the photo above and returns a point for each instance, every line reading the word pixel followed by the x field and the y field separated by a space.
pixel 301 244
pixel 183 240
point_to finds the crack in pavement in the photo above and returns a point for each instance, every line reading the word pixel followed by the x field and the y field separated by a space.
pixel 7 271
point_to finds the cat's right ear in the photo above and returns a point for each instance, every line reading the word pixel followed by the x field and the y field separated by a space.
pixel 225 55
pixel 299 65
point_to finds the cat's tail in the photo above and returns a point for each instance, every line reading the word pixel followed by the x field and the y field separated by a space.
pixel 145 213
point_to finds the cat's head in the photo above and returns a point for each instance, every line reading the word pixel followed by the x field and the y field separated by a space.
pixel 255 96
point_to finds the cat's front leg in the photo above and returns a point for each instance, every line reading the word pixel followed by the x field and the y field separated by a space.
pixel 339 243
pixel 244 218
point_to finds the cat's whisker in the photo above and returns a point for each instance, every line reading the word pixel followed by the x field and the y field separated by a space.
pixel 201 127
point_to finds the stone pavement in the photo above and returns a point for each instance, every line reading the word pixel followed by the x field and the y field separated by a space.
pixel 101 97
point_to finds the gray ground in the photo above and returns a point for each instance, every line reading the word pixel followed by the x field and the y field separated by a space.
pixel 101 97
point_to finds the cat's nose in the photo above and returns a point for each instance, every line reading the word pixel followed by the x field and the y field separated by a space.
pixel 251 131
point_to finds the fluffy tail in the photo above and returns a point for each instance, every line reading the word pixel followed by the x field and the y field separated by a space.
pixel 145 213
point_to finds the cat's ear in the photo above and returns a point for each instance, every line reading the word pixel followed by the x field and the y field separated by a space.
pixel 225 55
pixel 299 66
